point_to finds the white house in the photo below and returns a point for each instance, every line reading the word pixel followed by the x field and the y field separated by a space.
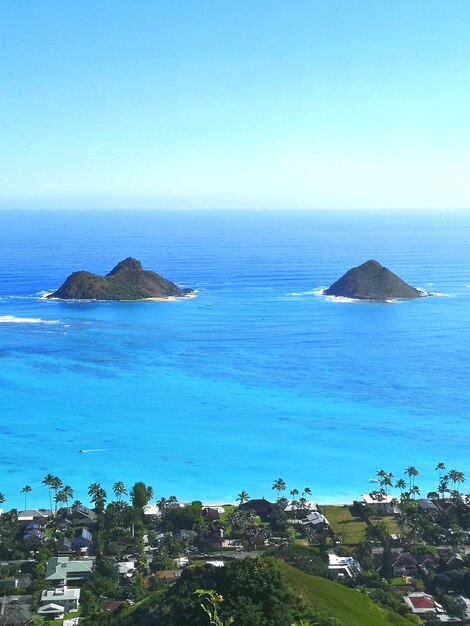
pixel 378 501
pixel 67 598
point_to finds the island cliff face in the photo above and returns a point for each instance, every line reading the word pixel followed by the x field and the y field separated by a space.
pixel 127 281
pixel 372 281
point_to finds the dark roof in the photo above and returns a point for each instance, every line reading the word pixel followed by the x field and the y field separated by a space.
pixel 405 559
pixel 111 605
pixel 259 506
pixel 426 505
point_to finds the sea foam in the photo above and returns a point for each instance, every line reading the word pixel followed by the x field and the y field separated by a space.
pixel 12 319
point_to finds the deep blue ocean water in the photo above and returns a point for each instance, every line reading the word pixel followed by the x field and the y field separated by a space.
pixel 270 380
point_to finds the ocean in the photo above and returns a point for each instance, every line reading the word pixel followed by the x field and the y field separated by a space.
pixel 257 378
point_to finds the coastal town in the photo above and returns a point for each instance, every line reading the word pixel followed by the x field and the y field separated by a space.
pixel 408 555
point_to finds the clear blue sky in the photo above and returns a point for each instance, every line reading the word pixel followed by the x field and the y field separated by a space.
pixel 240 104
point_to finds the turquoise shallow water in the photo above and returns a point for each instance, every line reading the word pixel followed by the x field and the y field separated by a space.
pixel 269 380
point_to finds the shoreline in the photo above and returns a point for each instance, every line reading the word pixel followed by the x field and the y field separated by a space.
pixel 189 296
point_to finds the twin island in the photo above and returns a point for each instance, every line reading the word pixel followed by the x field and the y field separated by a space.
pixel 129 281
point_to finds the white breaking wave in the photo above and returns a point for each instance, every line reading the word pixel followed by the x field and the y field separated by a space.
pixel 312 292
pixel 12 319
pixel 341 299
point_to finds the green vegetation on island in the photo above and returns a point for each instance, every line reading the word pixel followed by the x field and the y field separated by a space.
pixel 127 281
pixel 372 281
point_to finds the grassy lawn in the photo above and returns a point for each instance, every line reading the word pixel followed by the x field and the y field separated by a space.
pixel 392 525
pixel 228 508
pixel 349 606
pixel 349 529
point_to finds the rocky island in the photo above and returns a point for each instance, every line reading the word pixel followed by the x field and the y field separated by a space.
pixel 372 281
pixel 127 281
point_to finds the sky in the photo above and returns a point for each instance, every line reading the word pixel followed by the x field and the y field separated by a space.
pixel 248 104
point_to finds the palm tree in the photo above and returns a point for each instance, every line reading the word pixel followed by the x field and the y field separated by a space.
pixel 414 491
pixel 97 495
pixel 381 474
pixel 172 500
pixel 232 520
pixel 411 472
pixel 68 493
pixel 2 498
pixel 307 491
pixel 162 505
pixel 440 467
pixel 279 485
pixel 48 480
pixel 60 497
pixel 443 485
pixel 387 483
pixel 119 490
pixel 56 484
pixel 243 497
pixel 401 485
pixel 149 491
pixel 456 477
pixel 26 489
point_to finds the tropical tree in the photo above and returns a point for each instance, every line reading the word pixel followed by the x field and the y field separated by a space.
pixel 139 495
pixel 60 497
pixel 307 491
pixel 401 485
pixel 414 491
pixel 456 477
pixel 411 472
pixel 56 484
pixel 119 490
pixel 443 485
pixel 279 485
pixel 162 505
pixel 172 500
pixel 149 490
pixel 26 489
pixel 97 495
pixel 440 467
pixel 67 491
pixel 2 498
pixel 243 497
pixel 48 480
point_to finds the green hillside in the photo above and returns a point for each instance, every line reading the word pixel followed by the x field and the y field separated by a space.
pixel 257 592
pixel 350 606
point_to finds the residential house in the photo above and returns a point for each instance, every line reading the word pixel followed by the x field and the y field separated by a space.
pixel 379 501
pixel 210 514
pixel 33 536
pixel 39 517
pixel 405 565
pixel 63 569
pixel 67 598
pixel 51 611
pixel 126 569
pixel 423 605
pixel 427 507
pixel 170 575
pixel 82 540
pixel 344 567
pixel 262 508
pixel 316 521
